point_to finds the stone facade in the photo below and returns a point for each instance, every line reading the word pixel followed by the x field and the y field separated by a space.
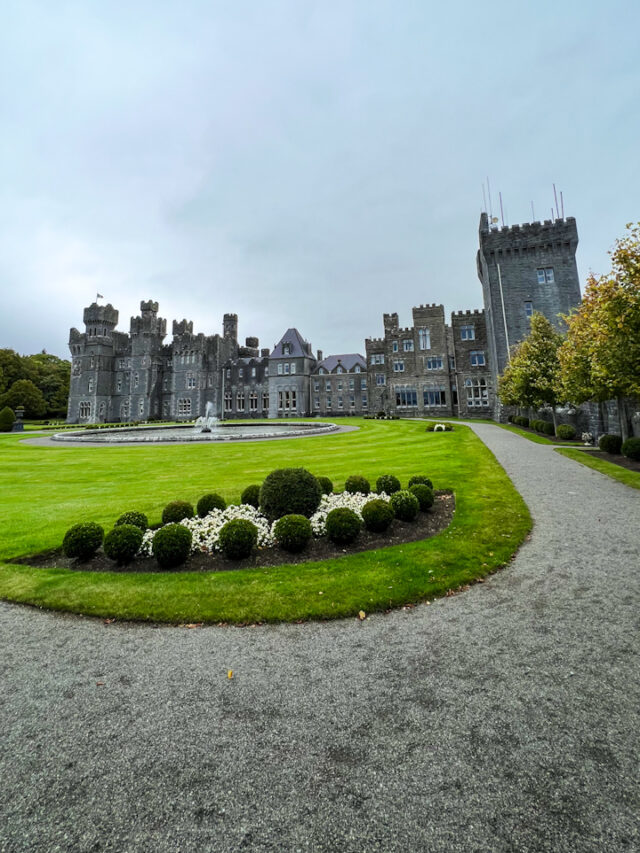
pixel 430 368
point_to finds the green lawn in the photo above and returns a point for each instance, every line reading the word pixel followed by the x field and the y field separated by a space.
pixel 629 478
pixel 47 489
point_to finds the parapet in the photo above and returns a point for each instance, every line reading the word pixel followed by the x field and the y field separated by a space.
pixel 148 307
pixel 183 327
pixel 105 315
pixel 528 234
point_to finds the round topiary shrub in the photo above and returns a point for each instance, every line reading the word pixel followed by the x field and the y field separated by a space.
pixel 631 449
pixel 123 543
pixel 405 505
pixel 176 511
pixel 289 491
pixel 251 496
pixel 138 519
pixel 82 540
pixel 7 419
pixel 357 485
pixel 424 494
pixel 388 483
pixel 548 428
pixel 610 443
pixel 418 479
pixel 566 432
pixel 238 538
pixel 524 421
pixel 209 502
pixel 343 525
pixel 377 515
pixel 326 485
pixel 171 545
pixel 292 532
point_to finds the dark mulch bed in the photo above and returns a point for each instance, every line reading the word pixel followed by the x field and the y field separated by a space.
pixel 426 525
pixel 615 458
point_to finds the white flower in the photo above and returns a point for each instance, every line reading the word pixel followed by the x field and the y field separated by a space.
pixel 354 501
pixel 439 428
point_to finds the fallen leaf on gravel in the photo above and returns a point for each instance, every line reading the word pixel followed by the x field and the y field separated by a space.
pixel 99 683
pixel 362 615
pixel 109 621
pixel 193 625
pixel 230 674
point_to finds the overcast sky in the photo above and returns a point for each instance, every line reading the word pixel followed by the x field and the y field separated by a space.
pixel 298 163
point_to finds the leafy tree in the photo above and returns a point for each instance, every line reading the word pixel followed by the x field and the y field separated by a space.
pixel 531 377
pixel 600 359
pixel 25 393
pixel 47 372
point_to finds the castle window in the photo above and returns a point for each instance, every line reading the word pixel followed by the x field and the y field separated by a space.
pixel 327 387
pixel 191 380
pixel 339 369
pixel 166 409
pixel 240 401
pixel 321 371
pixel 433 396
pixel 141 407
pixel 266 370
pixel 380 379
pixel 228 373
pixel 352 384
pixel 286 349
pixel 340 403
pixel 406 397
pixel 339 386
pixel 136 380
pixel 103 409
pixel 363 384
pixel 424 338
pixel 477 394
pixel 316 386
pixel 253 401
pixel 377 358
pixel 228 401
pixel 293 368
pixel 124 410
pixel 253 371
pixel 84 410
pixel 434 362
pixel 287 367
pixel 329 404
pixel 528 308
pixel 265 401
pixel 240 372
pixel 90 389
pixel 477 358
pixel 398 366
pixel 316 402
pixel 394 346
pixel 545 275
pixel 92 362
pixel 365 402
pixel 407 346
pixel 468 333
pixel 119 384
pixel 279 369
pixel 452 362
pixel 357 369
pixel 184 407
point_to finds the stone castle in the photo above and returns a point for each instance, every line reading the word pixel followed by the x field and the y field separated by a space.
pixel 430 368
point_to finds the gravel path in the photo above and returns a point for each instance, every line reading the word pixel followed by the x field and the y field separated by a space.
pixel 502 719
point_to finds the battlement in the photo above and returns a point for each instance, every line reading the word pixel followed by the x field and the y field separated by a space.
pixel 104 315
pixel 431 305
pixel 528 234
pixel 455 315
pixel 183 327
pixel 148 307
pixel 374 342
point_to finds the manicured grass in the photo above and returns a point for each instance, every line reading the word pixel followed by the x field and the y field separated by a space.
pixel 629 478
pixel 45 490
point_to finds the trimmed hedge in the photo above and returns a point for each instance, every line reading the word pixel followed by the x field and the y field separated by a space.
pixel 357 485
pixel 83 540
pixel 289 491
pixel 405 505
pixel 418 479
pixel 631 449
pixel 171 545
pixel 175 511
pixel 209 502
pixel 238 538
pixel 292 532
pixel 566 432
pixel 138 519
pixel 123 543
pixel 343 526
pixel 7 419
pixel 251 496
pixel 388 483
pixel 377 515
pixel 610 443
pixel 424 495
pixel 326 485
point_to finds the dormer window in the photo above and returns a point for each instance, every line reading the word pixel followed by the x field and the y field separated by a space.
pixel 357 368
pixel 339 370
pixel 286 349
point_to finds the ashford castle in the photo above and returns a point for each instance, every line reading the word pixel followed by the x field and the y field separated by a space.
pixel 431 368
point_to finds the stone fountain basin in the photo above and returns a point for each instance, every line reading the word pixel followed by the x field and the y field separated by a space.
pixel 188 432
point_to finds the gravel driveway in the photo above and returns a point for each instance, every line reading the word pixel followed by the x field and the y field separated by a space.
pixel 502 719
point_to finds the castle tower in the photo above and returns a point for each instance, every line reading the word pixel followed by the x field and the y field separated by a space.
pixel 145 379
pixel 92 365
pixel 525 268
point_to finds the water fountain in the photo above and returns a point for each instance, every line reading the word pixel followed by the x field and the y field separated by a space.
pixel 209 422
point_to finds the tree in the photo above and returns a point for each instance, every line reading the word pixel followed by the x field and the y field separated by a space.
pixel 600 359
pixel 531 377
pixel 25 393
pixel 7 419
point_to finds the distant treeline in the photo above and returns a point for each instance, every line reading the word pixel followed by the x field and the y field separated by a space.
pixel 38 382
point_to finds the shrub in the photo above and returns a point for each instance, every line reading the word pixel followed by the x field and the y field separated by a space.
pixel 388 483
pixel 251 496
pixel 292 532
pixel 326 485
pixel 418 479
pixel 82 540
pixel 123 543
pixel 7 419
pixel 431 427
pixel 377 515
pixel 209 502
pixel 405 505
pixel 138 519
pixel 610 443
pixel 289 491
pixel 548 428
pixel 171 545
pixel 357 485
pixel 524 421
pixel 238 538
pixel 343 525
pixel 631 449
pixel 566 432
pixel 424 494
pixel 176 511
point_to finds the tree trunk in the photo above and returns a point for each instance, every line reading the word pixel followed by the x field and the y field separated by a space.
pixel 622 418
pixel 554 417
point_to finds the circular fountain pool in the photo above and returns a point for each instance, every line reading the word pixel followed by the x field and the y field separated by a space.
pixel 188 432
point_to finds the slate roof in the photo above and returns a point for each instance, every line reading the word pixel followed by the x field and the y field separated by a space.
pixel 348 360
pixel 299 347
